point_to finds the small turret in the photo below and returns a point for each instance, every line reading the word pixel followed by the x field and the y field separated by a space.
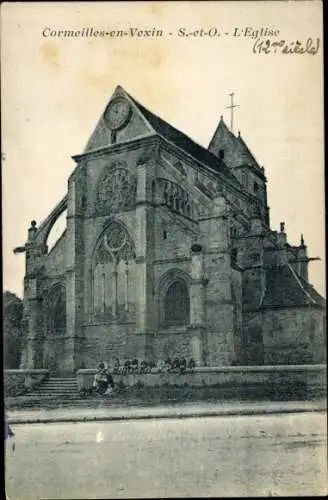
pixel 282 237
pixel 32 231
pixel 282 242
pixel 303 260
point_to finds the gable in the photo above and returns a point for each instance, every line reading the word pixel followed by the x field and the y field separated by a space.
pixel 136 126
pixel 224 144
pixel 142 123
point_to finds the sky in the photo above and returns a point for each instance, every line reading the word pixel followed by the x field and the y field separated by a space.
pixel 54 90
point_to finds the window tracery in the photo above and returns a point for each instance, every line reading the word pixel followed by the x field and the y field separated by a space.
pixel 56 310
pixel 176 198
pixel 116 190
pixel 113 275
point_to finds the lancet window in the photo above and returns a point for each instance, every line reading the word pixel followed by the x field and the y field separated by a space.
pixel 114 275
pixel 56 310
pixel 177 304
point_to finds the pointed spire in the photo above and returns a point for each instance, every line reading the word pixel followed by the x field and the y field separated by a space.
pixel 119 90
pixel 302 241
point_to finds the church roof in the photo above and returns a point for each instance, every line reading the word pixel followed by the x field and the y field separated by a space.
pixel 184 142
pixel 236 152
pixel 245 152
pixel 284 288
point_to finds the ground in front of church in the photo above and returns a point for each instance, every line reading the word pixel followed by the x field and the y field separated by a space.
pixel 259 455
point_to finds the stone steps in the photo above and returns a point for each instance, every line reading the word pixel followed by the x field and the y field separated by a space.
pixel 59 392
pixel 52 390
pixel 56 387
pixel 52 394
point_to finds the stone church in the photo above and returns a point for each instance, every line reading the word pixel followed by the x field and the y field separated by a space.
pixel 167 251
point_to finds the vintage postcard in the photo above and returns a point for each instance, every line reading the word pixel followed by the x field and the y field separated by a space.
pixel 163 249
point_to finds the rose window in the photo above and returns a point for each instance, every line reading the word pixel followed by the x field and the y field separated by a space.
pixel 116 190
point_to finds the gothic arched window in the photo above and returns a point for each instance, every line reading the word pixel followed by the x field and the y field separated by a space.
pixel 113 293
pixel 177 304
pixel 57 310
pixel 176 198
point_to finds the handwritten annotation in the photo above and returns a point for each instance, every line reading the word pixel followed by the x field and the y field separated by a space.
pixel 267 46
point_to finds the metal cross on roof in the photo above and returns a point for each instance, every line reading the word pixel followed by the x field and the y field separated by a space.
pixel 231 107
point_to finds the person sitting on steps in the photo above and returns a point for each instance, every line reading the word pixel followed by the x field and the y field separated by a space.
pixel 103 380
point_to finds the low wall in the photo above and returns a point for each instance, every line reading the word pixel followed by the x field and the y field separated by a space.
pixel 18 382
pixel 310 378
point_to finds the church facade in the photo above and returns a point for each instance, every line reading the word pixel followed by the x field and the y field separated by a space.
pixel 167 252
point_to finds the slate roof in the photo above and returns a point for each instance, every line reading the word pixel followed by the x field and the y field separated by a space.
pixel 286 289
pixel 184 142
pixel 314 294
pixel 245 152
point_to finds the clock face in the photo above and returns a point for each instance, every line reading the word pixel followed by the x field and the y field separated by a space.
pixel 117 113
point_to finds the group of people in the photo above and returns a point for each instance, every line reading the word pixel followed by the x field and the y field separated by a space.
pixel 176 365
pixel 103 382
pixel 125 366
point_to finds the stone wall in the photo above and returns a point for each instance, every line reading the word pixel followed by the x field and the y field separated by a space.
pixel 55 261
pixel 178 237
pixel 293 335
pixel 311 379
pixel 103 342
pixel 17 382
pixel 173 342
pixel 220 314
pixel 237 299
pixel 253 338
